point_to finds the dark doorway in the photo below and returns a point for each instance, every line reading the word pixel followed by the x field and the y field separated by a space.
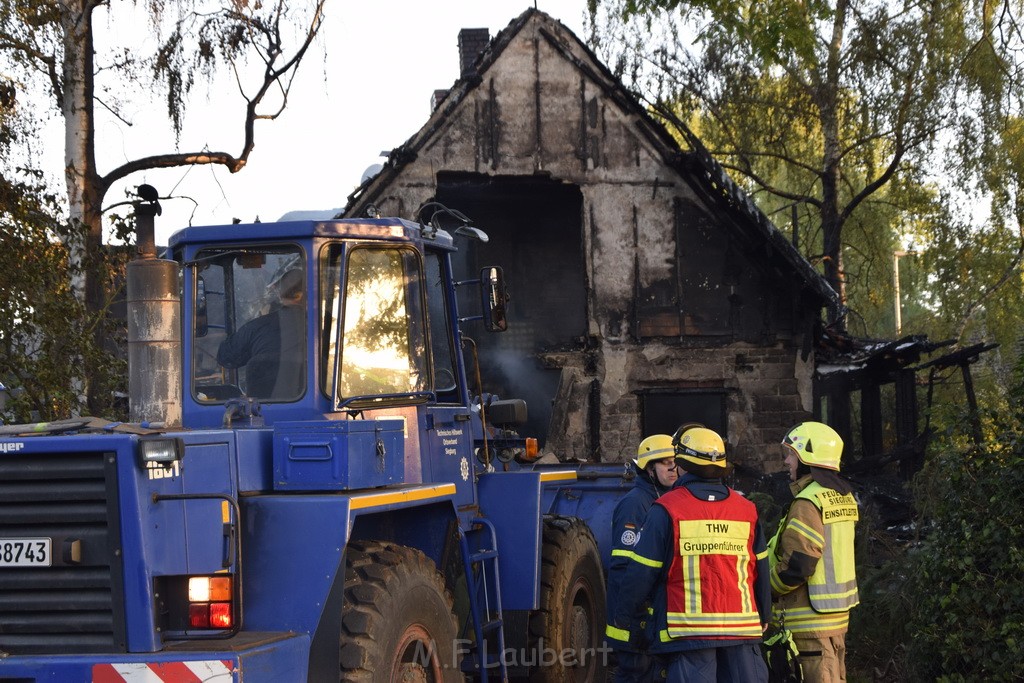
pixel 663 411
pixel 535 231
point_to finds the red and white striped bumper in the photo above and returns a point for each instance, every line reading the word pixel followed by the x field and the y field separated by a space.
pixel 205 671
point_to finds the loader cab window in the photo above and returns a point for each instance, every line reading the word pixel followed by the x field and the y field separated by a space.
pixel 441 341
pixel 374 301
pixel 249 328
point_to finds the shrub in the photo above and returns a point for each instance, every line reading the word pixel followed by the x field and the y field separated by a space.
pixel 967 617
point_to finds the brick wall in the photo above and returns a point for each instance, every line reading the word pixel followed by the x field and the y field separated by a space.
pixel 763 388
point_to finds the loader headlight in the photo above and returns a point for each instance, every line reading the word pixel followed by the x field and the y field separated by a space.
pixel 162 450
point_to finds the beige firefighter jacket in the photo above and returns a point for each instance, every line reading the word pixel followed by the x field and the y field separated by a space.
pixel 794 553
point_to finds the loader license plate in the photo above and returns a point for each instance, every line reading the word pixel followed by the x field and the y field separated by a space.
pixel 25 552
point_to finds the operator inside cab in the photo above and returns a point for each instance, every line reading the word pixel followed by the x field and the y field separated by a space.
pixel 271 346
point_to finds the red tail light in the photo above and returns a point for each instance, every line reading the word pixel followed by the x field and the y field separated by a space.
pixel 199 615
pixel 209 615
pixel 220 614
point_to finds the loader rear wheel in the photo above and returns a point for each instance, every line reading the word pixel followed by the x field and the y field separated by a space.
pixel 567 632
pixel 397 623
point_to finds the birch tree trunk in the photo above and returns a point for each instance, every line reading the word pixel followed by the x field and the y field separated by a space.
pixel 81 178
pixel 826 94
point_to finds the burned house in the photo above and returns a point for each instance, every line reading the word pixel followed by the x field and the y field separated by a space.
pixel 647 290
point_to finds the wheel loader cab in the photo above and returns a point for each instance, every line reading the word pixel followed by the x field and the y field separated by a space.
pixel 315 319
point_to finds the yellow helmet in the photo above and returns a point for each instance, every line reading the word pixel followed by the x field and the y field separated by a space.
pixel 654 447
pixel 700 446
pixel 815 444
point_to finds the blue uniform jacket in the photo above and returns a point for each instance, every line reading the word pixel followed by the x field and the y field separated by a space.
pixel 627 520
pixel 643 578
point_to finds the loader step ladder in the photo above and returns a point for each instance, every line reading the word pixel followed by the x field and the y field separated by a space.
pixel 480 560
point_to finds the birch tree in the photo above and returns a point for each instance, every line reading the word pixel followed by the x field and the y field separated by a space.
pixel 50 47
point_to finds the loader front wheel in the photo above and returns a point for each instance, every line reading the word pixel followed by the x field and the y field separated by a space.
pixel 567 632
pixel 397 622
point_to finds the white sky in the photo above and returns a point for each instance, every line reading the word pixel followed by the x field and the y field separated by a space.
pixel 384 59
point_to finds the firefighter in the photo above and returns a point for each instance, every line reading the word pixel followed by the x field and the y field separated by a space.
pixel 813 576
pixel 702 561
pixel 655 470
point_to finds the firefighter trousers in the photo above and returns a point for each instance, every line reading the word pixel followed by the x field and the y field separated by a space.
pixel 823 660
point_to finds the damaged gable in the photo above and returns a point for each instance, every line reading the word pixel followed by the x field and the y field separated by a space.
pixel 644 282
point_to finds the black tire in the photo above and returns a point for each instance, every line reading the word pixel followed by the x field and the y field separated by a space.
pixel 397 623
pixel 567 632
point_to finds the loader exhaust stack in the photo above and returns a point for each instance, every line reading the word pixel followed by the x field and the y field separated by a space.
pixel 154 324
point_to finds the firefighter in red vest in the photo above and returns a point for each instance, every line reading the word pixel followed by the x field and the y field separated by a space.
pixel 702 560
pixel 813 573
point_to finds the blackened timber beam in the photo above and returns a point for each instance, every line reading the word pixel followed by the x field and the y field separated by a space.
pixel 871 419
pixel 972 402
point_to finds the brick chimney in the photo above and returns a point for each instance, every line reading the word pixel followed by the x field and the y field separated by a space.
pixel 472 41
pixel 437 98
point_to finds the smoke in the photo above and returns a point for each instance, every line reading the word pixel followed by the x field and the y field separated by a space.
pixel 514 374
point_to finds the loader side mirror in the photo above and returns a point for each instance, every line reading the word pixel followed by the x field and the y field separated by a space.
pixel 495 298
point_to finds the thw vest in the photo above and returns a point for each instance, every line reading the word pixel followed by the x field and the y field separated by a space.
pixel 833 586
pixel 710 583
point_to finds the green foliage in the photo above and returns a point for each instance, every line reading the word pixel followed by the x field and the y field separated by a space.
pixel 949 606
pixel 963 582
pixel 45 330
pixel 771 29
pixel 875 641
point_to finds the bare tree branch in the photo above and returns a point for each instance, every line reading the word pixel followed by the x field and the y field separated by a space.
pixel 272 76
